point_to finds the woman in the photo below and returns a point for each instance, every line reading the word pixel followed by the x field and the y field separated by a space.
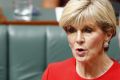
pixel 89 25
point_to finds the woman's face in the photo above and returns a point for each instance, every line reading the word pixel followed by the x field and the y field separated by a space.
pixel 86 41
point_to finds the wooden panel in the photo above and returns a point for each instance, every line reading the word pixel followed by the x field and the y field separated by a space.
pixel 29 22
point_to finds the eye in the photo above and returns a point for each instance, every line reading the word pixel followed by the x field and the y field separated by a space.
pixel 69 29
pixel 88 30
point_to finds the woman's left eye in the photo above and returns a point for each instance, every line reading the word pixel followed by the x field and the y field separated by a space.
pixel 88 30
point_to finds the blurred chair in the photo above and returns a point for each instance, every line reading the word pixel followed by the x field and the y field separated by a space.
pixel 25 51
pixel 32 48
pixel 3 53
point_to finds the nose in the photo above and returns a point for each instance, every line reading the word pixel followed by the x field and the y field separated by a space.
pixel 80 37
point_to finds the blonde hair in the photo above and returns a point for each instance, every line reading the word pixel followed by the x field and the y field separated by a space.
pixel 100 11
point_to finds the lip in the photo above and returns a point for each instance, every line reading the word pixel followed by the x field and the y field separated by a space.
pixel 81 52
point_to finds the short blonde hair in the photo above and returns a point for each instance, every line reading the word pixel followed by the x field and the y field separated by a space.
pixel 100 11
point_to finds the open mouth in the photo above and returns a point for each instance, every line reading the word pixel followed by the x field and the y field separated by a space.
pixel 80 49
pixel 80 52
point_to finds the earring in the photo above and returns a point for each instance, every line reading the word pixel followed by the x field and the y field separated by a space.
pixel 106 45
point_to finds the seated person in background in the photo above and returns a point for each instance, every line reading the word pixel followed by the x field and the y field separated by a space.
pixel 90 25
pixel 50 3
pixel 61 3
pixel 2 17
pixel 54 3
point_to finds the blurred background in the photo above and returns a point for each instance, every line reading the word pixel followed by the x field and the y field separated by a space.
pixel 28 45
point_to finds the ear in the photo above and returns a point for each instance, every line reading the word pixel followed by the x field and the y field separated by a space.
pixel 108 36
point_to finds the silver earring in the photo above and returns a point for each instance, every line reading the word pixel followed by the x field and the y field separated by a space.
pixel 106 45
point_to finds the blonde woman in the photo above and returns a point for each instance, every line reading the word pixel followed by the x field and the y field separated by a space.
pixel 90 25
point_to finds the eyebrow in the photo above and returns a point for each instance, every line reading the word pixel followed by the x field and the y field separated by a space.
pixel 68 26
pixel 86 25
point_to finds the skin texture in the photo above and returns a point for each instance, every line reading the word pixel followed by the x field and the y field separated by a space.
pixel 89 37
pixel 87 45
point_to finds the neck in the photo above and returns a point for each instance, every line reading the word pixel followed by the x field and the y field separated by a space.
pixel 94 68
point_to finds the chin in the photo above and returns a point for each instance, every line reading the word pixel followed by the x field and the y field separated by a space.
pixel 81 59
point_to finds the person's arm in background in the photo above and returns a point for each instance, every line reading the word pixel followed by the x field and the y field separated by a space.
pixel 50 3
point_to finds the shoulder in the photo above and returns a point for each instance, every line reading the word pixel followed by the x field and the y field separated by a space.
pixel 115 71
pixel 63 67
pixel 116 67
pixel 62 64
pixel 60 70
pixel 117 64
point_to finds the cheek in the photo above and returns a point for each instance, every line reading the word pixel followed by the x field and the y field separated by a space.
pixel 71 40
pixel 96 42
